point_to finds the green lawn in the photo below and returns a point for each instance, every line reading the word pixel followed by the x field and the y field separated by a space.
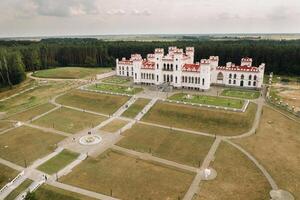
pixel 69 120
pixel 102 103
pixel 58 162
pixel 48 192
pixel 116 89
pixel 70 72
pixel 238 177
pixel 21 188
pixel 196 118
pixel 25 144
pixel 33 112
pixel 116 80
pixel 115 125
pixel 239 93
pixel 208 100
pixel 129 178
pixel 172 145
pixel 135 108
pixel 6 174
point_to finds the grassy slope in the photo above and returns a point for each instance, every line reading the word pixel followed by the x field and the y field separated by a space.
pixel 6 174
pixel 200 119
pixel 35 144
pixel 209 100
pixel 129 178
pixel 101 103
pixel 135 108
pixel 177 146
pixel 238 178
pixel 69 120
pixel 276 146
pixel 58 162
pixel 70 72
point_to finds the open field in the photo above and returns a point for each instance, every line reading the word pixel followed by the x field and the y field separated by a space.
pixel 115 125
pixel 47 192
pixel 69 120
pixel 276 146
pixel 6 175
pixel 102 103
pixel 5 125
pixel 116 80
pixel 27 144
pixel 129 178
pixel 16 192
pixel 58 162
pixel 238 178
pixel 116 89
pixel 201 119
pixel 208 100
pixel 33 112
pixel 70 72
pixel 135 108
pixel 239 93
pixel 37 96
pixel 172 145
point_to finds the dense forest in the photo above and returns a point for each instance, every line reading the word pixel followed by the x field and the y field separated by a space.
pixel 281 57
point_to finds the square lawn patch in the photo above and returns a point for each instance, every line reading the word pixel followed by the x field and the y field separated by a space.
pixel 129 178
pixel 25 145
pixel 185 148
pixel 6 174
pixel 97 102
pixel 116 89
pixel 243 94
pixel 136 107
pixel 69 120
pixel 114 125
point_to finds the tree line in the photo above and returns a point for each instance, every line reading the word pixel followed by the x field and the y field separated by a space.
pixel 281 57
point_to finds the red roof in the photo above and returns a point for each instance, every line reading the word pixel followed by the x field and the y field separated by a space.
pixel 148 65
pixel 191 67
pixel 239 68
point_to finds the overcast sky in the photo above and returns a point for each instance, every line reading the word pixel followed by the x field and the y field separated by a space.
pixel 96 17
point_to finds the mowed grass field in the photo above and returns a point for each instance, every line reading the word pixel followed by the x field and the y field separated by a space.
pixel 5 125
pixel 31 113
pixel 27 144
pixel 58 162
pixel 32 98
pixel 212 121
pixel 69 120
pixel 6 174
pixel 116 88
pixel 239 93
pixel 116 80
pixel 47 192
pixel 115 125
pixel 129 178
pixel 136 107
pixel 172 145
pixel 208 100
pixel 276 147
pixel 70 72
pixel 238 178
pixel 102 103
pixel 16 192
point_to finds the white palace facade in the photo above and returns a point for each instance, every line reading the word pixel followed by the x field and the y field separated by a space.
pixel 177 68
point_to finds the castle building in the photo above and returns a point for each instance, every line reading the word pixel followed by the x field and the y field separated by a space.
pixel 177 68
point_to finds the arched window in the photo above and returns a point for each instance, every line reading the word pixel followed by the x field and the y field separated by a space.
pixel 255 77
pixel 152 76
pixel 186 79
pixel 234 82
pixel 192 79
pixel 234 76
pixel 242 76
pixel 199 80
pixel 164 78
pixel 249 83
pixel 196 80
pixel 229 82
pixel 176 67
pixel 157 66
pixel 175 79
pixel 250 77
pixel 171 78
pixel 203 81
pixel 164 66
pixel 127 68
pixel 182 79
pixel 254 83
pixel 230 75
pixel 172 67
pixel 220 76
pixel 168 66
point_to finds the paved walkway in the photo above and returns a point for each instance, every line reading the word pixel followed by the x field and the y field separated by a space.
pixel 17 94
pixel 147 156
pixel 51 130
pixel 194 188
